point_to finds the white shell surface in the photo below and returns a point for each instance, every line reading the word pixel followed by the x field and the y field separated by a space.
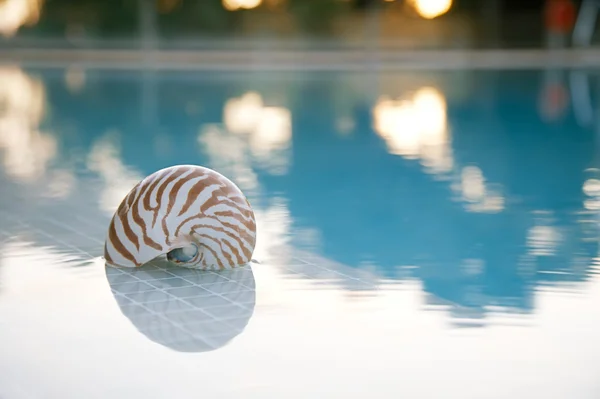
pixel 179 206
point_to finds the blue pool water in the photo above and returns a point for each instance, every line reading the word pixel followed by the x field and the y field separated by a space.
pixel 421 235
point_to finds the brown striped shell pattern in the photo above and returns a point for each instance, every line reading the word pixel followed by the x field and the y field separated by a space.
pixel 194 215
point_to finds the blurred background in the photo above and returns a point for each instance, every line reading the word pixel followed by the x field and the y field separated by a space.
pixel 296 24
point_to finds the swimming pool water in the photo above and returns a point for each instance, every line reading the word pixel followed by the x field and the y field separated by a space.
pixel 420 235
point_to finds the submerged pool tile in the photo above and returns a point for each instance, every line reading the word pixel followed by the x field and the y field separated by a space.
pixel 242 297
pixel 189 292
pixel 132 287
pixel 172 305
pixel 152 274
pixel 186 316
pixel 149 296
pixel 168 283
pixel 208 301
pixel 223 287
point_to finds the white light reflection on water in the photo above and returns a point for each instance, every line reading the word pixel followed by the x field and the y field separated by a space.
pixel 415 127
pixel 75 77
pixel 27 150
pixel 104 159
pixel 228 153
pixel 591 189
pixel 477 195
pixel 543 238
pixel 267 130
pixel 29 267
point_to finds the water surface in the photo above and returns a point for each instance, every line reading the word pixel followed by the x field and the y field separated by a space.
pixel 420 235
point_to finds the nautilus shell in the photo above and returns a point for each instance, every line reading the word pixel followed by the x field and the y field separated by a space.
pixel 195 216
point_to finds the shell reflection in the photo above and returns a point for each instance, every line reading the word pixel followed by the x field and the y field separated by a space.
pixel 186 310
